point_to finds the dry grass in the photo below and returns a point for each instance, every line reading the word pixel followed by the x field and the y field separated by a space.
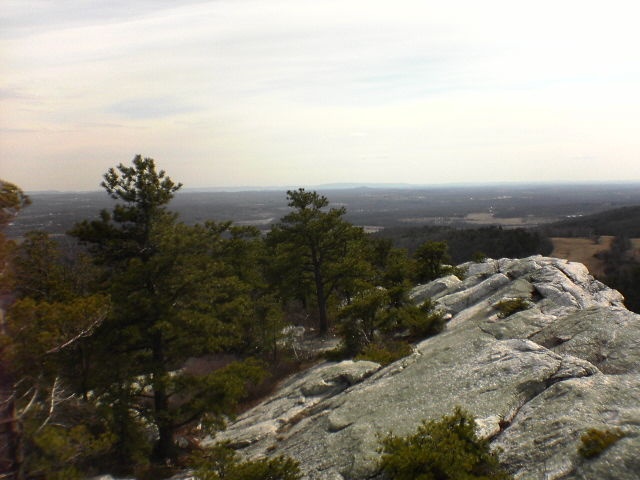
pixel 486 218
pixel 582 250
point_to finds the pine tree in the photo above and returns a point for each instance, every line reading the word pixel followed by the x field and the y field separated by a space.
pixel 177 291
pixel 12 200
pixel 316 248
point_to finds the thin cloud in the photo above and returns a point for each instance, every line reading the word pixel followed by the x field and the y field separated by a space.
pixel 24 17
pixel 271 91
pixel 151 108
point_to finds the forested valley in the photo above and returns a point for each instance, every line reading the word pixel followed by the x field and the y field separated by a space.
pixel 101 335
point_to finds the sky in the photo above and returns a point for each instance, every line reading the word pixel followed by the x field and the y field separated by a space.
pixel 230 93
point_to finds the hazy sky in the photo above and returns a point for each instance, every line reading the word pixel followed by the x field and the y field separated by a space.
pixel 304 92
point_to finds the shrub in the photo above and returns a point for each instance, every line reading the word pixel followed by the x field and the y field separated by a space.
pixel 510 306
pixel 362 318
pixel 478 257
pixel 221 462
pixel 337 354
pixel 66 453
pixel 423 321
pixel 459 272
pixel 446 449
pixel 595 441
pixel 385 353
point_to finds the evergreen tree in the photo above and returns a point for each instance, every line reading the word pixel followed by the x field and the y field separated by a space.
pixel 45 429
pixel 394 269
pixel 316 248
pixel 12 200
pixel 430 260
pixel 177 291
pixel 38 269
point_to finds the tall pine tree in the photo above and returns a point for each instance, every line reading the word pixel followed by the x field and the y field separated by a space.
pixel 176 293
pixel 315 247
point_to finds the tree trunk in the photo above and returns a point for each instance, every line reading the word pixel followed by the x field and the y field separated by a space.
pixel 164 448
pixel 11 447
pixel 323 321
pixel 11 451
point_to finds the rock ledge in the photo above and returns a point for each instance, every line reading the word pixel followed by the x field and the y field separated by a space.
pixel 536 380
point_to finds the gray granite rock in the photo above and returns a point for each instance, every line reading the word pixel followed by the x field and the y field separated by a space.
pixel 606 337
pixel 433 289
pixel 542 441
pixel 295 400
pixel 535 380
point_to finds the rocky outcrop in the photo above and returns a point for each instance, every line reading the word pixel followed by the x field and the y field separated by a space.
pixel 536 380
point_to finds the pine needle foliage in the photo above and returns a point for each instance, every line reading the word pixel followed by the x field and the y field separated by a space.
pixel 386 352
pixel 445 449
pixel 221 462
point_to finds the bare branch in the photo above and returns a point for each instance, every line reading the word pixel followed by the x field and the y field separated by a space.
pixel 83 334
pixel 26 409
pixel 52 405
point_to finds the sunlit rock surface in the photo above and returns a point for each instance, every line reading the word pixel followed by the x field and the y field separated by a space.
pixel 535 380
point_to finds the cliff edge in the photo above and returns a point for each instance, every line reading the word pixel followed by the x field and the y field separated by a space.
pixel 536 380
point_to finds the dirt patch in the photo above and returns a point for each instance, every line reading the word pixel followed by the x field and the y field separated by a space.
pixel 582 250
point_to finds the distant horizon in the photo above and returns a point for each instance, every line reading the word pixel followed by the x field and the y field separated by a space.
pixel 370 185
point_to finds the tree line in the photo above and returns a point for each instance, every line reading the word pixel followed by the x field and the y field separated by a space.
pixel 98 332
pixel 465 244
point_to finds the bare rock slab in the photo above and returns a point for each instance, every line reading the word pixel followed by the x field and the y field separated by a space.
pixel 536 381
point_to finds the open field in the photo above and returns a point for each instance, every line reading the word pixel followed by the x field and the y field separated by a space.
pixel 582 250
pixel 488 218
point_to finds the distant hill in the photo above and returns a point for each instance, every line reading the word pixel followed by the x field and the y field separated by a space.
pixel 624 221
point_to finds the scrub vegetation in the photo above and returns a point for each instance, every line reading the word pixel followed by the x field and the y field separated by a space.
pixel 444 449
pixel 98 340
pixel 103 327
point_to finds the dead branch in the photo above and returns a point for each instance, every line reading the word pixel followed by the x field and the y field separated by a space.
pixel 30 404
pixel 83 334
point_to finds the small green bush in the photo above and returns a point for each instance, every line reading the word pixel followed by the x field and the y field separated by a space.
pixel 459 272
pixel 63 453
pixel 446 449
pixel 510 306
pixel 385 353
pixel 595 441
pixel 221 462
pixel 478 257
pixel 360 320
pixel 337 354
pixel 423 321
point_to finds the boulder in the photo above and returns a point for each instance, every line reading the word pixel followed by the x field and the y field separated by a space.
pixel 536 381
